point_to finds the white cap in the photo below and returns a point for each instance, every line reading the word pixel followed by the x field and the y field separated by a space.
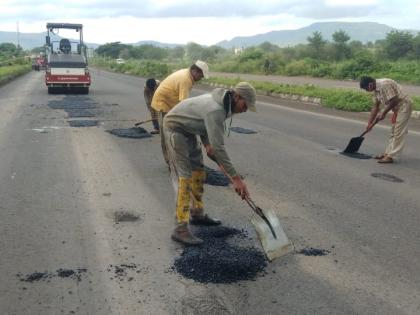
pixel 204 67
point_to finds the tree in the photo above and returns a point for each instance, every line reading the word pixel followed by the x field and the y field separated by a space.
pixel 342 50
pixel 111 50
pixel 316 45
pixel 398 44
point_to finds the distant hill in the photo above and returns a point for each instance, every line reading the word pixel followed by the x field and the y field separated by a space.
pixel 29 40
pixel 157 44
pixel 361 31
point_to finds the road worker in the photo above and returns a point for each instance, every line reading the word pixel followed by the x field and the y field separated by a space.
pixel 149 90
pixel 388 93
pixel 202 116
pixel 175 88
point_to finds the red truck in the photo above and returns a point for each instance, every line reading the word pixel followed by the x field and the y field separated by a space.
pixel 67 66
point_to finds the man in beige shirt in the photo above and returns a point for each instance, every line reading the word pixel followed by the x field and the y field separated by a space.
pixel 389 94
pixel 175 88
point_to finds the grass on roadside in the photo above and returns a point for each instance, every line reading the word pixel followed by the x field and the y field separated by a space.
pixel 337 98
pixel 9 72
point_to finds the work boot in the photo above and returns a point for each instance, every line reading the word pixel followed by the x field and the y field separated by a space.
pixel 183 235
pixel 199 218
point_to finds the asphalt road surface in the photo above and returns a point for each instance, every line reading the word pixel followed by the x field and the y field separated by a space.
pixel 64 251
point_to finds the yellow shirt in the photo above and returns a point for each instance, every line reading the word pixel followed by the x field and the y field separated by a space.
pixel 175 88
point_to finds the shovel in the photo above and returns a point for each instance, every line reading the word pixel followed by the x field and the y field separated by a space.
pixel 142 122
pixel 270 232
pixel 356 142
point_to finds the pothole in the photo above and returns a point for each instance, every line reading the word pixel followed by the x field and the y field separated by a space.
pixel 134 132
pixel 83 123
pixel 76 113
pixel 357 155
pixel 242 130
pixel 215 178
pixel 387 177
pixel 125 216
pixel 220 259
pixel 75 274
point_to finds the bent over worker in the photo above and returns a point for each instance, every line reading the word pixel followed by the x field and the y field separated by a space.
pixel 149 90
pixel 202 116
pixel 175 88
pixel 389 94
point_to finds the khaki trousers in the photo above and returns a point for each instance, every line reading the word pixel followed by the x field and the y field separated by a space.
pixel 399 130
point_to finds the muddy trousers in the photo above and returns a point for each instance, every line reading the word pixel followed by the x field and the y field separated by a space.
pixel 399 130
pixel 186 164
pixel 160 116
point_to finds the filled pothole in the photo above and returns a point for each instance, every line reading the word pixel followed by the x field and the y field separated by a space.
pixel 357 155
pixel 83 123
pixel 78 113
pixel 134 132
pixel 125 216
pixel 242 130
pixel 221 258
pixel 215 178
pixel 75 274
pixel 387 177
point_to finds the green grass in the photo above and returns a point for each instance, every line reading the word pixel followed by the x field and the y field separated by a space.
pixel 9 72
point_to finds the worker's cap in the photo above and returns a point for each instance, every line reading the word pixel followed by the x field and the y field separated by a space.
pixel 204 67
pixel 248 93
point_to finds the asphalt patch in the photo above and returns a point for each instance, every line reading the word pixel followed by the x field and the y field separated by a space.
pixel 75 274
pixel 133 132
pixel 242 130
pixel 125 216
pixel 77 113
pixel 387 177
pixel 83 123
pixel 72 103
pixel 215 178
pixel 219 259
pixel 310 251
pixel 357 155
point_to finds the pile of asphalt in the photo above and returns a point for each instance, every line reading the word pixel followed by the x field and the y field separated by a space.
pixel 357 155
pixel 83 123
pixel 220 259
pixel 215 178
pixel 133 132
pixel 75 274
pixel 310 251
pixel 242 130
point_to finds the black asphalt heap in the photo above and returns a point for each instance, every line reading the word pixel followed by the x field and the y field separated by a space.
pixel 74 105
pixel 242 130
pixel 220 261
pixel 134 132
pixel 215 178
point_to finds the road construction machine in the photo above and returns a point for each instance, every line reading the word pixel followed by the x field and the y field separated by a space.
pixel 67 65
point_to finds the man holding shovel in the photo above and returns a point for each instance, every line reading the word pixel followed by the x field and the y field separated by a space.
pixel 175 88
pixel 149 91
pixel 389 94
pixel 202 116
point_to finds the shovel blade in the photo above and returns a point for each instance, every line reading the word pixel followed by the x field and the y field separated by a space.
pixel 354 145
pixel 274 247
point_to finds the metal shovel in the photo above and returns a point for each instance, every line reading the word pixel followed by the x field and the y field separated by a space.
pixel 269 230
pixel 356 142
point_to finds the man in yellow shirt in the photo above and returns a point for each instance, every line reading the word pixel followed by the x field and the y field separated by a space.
pixel 175 88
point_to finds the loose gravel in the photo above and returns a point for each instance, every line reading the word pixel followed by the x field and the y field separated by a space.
pixel 387 177
pixel 310 251
pixel 220 259
pixel 242 130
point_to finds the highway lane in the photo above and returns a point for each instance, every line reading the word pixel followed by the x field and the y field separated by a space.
pixel 61 187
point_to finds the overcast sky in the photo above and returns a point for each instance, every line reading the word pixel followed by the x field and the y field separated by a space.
pixel 204 22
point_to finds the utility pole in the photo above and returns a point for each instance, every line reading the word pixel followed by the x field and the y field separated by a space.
pixel 18 35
